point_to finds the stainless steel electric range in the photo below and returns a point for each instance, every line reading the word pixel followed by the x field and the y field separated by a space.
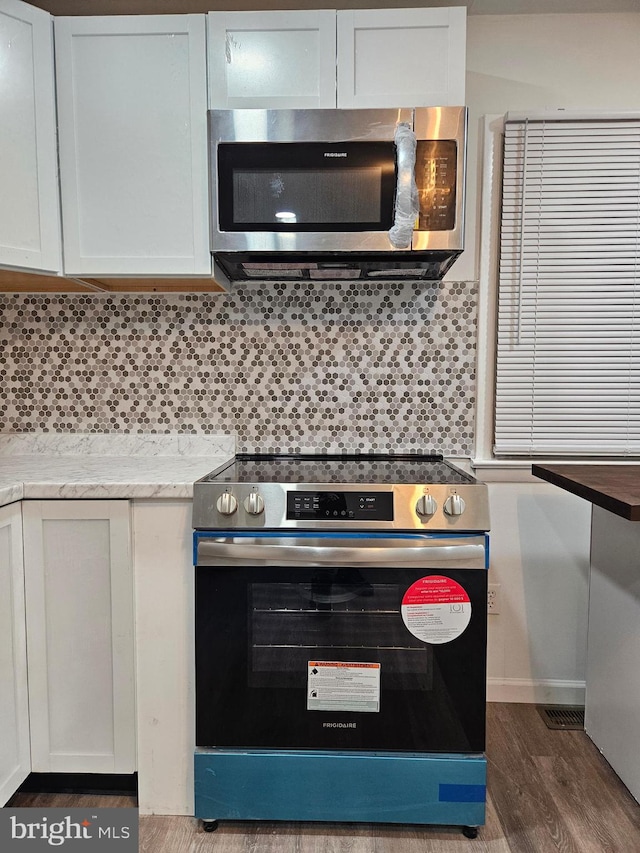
pixel 341 641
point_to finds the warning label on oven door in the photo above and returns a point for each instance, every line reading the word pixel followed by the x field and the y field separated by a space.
pixel 338 686
pixel 436 609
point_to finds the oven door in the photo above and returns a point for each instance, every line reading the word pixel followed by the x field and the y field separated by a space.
pixel 341 641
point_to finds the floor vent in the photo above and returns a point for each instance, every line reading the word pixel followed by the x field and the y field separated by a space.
pixel 562 716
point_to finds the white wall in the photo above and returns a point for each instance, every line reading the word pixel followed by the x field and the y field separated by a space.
pixel 540 535
pixel 520 62
pixel 539 554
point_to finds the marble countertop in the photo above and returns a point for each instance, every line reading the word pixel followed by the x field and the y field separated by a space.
pixel 613 487
pixel 98 466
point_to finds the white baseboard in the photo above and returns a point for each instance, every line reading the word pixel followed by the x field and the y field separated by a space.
pixel 536 692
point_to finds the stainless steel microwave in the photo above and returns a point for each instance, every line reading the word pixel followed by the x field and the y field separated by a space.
pixel 337 194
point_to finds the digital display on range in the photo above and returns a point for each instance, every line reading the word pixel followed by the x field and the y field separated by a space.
pixel 340 506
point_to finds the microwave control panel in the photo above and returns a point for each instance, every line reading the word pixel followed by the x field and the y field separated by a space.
pixel 436 181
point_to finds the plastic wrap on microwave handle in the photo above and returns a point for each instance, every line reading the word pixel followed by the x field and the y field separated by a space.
pixel 407 204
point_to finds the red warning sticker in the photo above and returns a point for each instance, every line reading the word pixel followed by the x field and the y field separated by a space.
pixel 436 609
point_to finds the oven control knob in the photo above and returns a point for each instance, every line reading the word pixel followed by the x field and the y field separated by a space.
pixel 254 503
pixel 426 505
pixel 226 504
pixel 454 505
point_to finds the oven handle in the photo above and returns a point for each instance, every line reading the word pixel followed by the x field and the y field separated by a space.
pixel 452 552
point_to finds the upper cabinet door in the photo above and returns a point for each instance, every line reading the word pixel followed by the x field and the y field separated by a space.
pixel 132 110
pixel 401 57
pixel 272 60
pixel 29 210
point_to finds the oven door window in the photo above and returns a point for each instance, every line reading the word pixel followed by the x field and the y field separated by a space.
pixel 258 630
pixel 283 187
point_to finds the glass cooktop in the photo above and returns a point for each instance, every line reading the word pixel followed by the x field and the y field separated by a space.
pixel 307 468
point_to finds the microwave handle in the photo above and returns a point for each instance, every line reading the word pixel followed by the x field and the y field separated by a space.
pixel 407 205
pixel 458 554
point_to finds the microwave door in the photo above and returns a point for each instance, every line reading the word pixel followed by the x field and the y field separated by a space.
pixel 308 188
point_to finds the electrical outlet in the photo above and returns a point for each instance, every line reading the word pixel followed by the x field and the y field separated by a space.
pixel 493 599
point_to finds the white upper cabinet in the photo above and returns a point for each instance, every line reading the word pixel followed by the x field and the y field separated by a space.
pixel 401 57
pixel 272 60
pixel 29 206
pixel 356 58
pixel 132 101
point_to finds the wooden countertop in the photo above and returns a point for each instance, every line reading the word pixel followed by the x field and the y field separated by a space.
pixel 612 487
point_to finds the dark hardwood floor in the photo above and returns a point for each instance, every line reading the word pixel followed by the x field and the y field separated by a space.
pixel 549 791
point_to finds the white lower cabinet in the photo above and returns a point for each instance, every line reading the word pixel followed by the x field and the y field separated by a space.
pixel 613 677
pixel 165 655
pixel 15 762
pixel 79 605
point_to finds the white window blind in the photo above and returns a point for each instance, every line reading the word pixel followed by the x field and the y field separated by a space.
pixel 568 356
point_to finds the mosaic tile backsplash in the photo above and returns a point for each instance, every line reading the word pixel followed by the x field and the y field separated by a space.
pixel 288 368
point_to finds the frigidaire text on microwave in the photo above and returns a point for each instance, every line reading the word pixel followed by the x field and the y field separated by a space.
pixel 371 194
